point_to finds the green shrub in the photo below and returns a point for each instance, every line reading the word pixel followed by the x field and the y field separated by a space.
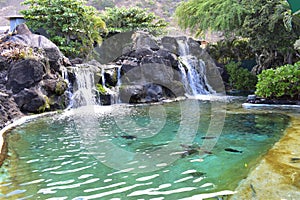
pixel 240 78
pixel 282 82
pixel 70 24
pixel 228 50
pixel 130 19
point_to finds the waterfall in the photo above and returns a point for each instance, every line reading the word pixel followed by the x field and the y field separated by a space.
pixel 119 82
pixel 69 93
pixel 193 72
pixel 103 78
pixel 84 87
pixel 114 91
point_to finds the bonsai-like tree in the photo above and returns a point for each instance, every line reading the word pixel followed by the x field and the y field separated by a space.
pixel 123 19
pixel 70 24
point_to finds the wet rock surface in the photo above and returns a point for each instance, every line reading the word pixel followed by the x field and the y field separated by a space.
pixel 30 75
pixel 8 109
pixel 257 100
pixel 150 66
pixel 278 174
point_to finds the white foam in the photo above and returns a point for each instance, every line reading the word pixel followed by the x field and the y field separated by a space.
pixel 146 178
pixel 198 180
pixel 206 185
pixel 119 190
pixel 105 187
pixel 183 179
pixel 189 171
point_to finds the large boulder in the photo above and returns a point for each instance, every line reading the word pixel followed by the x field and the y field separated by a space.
pixel 25 74
pixel 142 40
pixel 170 44
pixel 132 93
pixel 25 37
pixel 31 100
pixel 150 82
pixel 114 47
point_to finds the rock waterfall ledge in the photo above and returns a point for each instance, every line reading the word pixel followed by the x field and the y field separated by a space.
pixel 150 70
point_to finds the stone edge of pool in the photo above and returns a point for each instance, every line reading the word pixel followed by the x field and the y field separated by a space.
pixel 252 105
pixel 16 123
pixel 277 175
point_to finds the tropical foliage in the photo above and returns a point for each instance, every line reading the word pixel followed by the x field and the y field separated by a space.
pixel 240 78
pixel 130 19
pixel 70 24
pixel 216 15
pixel 282 82
pixel 269 25
pixel 228 50
pixel 273 32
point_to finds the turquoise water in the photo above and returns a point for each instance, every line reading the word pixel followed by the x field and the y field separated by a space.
pixel 126 152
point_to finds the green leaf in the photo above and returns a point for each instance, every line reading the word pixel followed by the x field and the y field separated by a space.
pixel 60 19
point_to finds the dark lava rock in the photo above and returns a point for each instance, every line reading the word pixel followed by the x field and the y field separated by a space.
pixel 30 100
pixel 257 100
pixel 8 110
pixel 25 37
pixel 25 74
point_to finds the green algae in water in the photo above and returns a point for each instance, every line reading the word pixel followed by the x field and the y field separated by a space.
pixel 48 160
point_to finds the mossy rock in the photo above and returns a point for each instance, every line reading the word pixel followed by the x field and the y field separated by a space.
pixel 61 87
pixel 46 105
pixel 101 89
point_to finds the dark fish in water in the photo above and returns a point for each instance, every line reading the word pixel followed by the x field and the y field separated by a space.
pixel 189 152
pixel 128 137
pixel 197 174
pixel 295 160
pixel 208 137
pixel 207 152
pixel 193 149
pixel 233 150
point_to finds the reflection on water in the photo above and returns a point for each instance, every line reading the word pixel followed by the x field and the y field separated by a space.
pixel 69 158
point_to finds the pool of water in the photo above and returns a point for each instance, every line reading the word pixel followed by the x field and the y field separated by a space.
pixel 136 152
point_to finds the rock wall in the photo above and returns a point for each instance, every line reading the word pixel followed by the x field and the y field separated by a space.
pixel 30 75
pixel 150 66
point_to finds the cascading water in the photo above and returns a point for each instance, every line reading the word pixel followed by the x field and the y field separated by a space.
pixel 70 88
pixel 193 72
pixel 113 92
pixel 84 87
pixel 119 82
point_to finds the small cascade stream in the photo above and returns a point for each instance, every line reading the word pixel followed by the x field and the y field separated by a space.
pixel 70 87
pixel 113 91
pixel 193 72
pixel 84 88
